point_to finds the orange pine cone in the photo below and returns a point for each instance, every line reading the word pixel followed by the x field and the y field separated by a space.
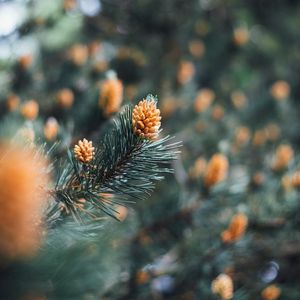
pixel 146 119
pixel 216 170
pixel 236 228
pixel 22 198
pixel 78 54
pixel 51 129
pixel 240 36
pixel 204 99
pixel 280 90
pixel 223 286
pixel 271 292
pixel 30 110
pixel 185 73
pixel 65 98
pixel 283 156
pixel 111 96
pixel 12 102
pixel 84 151
pixel 25 61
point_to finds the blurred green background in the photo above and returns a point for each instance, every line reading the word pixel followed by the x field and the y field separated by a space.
pixel 226 74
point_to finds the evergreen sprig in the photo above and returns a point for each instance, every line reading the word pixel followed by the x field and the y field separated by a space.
pixel 124 169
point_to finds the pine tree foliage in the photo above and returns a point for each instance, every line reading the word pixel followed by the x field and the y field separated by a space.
pixel 124 169
pixel 226 73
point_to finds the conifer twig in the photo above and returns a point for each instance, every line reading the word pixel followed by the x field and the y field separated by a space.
pixel 123 167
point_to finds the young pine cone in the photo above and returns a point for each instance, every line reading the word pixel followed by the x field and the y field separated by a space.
pixel 272 292
pixel 236 229
pixel 216 171
pixel 30 110
pixel 283 156
pixel 84 151
pixel 22 198
pixel 51 129
pixel 111 96
pixel 146 119
pixel 223 286
pixel 280 90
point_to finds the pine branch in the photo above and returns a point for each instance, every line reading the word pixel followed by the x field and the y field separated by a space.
pixel 124 169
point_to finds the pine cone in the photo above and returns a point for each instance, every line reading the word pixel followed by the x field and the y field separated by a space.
pixel 12 102
pixel 111 96
pixel 283 156
pixel 272 292
pixel 22 198
pixel 51 129
pixel 25 61
pixel 30 110
pixel 78 54
pixel 146 119
pixel 65 98
pixel 236 228
pixel 216 170
pixel 240 36
pixel 280 90
pixel 204 99
pixel 84 151
pixel 223 286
